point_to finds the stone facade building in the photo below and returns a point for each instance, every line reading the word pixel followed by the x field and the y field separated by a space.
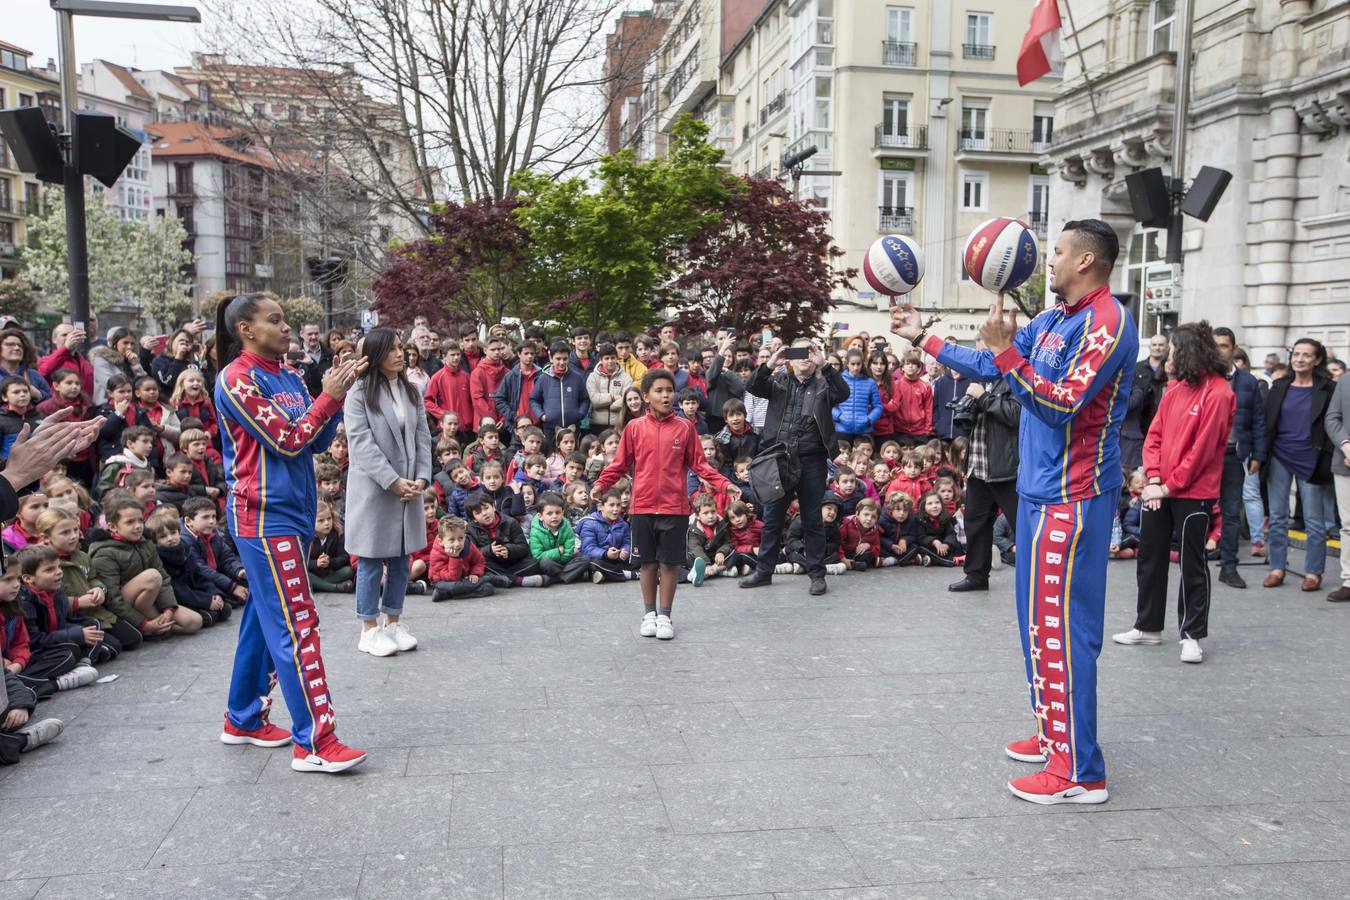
pixel 1271 104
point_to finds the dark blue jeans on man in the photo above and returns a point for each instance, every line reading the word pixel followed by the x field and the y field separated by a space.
pixel 809 490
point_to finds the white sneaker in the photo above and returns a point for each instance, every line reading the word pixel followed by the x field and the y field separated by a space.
pixel 1135 636
pixel 597 577
pixel 1190 651
pixel 835 569
pixel 76 677
pixel 401 637
pixel 783 568
pixel 375 642
pixel 664 630
pixel 41 731
pixel 648 626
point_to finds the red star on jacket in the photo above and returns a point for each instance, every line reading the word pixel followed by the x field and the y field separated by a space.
pixel 265 415
pixel 1062 392
pixel 1083 374
pixel 1099 340
pixel 245 388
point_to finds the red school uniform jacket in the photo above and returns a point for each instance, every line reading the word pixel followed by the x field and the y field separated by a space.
pixel 912 403
pixel 487 376
pixel 448 391
pixel 852 536
pixel 444 567
pixel 1189 435
pixel 915 487
pixel 659 452
pixel 433 538
pixel 746 539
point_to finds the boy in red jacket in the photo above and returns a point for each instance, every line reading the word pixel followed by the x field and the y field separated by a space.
pixel 909 480
pixel 660 449
pixel 448 391
pixel 746 532
pixel 457 567
pixel 911 402
pixel 860 536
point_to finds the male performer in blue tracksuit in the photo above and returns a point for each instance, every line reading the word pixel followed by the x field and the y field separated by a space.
pixel 1069 367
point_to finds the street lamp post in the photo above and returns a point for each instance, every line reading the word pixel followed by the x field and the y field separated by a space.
pixel 77 250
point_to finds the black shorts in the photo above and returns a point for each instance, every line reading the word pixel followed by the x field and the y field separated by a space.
pixel 659 538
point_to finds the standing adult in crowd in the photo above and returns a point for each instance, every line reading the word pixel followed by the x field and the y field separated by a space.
pixel 991 476
pixel 390 453
pixel 318 357
pixel 947 389
pixel 412 369
pixel 428 345
pixel 68 352
pixel 1068 484
pixel 118 357
pixel 1338 430
pixel 1245 453
pixel 175 359
pixel 1300 453
pixel 800 417
pixel 18 359
pixel 1150 377
pixel 1184 459
pixel 723 382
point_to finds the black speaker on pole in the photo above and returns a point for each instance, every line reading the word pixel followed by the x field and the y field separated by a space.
pixel 1206 192
pixel 1149 199
pixel 34 146
pixel 105 148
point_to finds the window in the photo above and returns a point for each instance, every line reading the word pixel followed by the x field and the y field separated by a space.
pixel 974 124
pixel 182 178
pixel 823 88
pixel 979 36
pixel 32 198
pixel 385 148
pixel 1161 14
pixel 899 21
pixel 6 234
pixel 894 213
pixel 6 195
pixel 974 191
pixel 25 99
pixel 1147 249
pixel 1039 205
pixel 894 120
pixel 1042 126
pixel 259 110
pixel 293 114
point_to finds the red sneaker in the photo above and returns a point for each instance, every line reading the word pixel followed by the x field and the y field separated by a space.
pixel 1028 750
pixel 335 756
pixel 1047 789
pixel 268 735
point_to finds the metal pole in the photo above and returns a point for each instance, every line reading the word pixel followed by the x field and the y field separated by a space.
pixel 1185 17
pixel 77 251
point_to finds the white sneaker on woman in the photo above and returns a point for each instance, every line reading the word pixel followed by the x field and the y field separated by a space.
pixel 401 637
pixel 1190 651
pixel 375 642
pixel 1135 636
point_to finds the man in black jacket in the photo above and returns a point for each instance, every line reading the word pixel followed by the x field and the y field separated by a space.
pixel 801 401
pixel 723 384
pixel 1150 378
pixel 991 477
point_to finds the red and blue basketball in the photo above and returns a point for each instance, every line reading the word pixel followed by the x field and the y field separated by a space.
pixel 1001 254
pixel 893 265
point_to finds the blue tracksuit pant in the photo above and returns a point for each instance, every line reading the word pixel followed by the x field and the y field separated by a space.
pixel 1061 596
pixel 279 631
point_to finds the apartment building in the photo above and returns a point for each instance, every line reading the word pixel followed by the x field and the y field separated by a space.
pixel 628 51
pixel 20 193
pixel 109 88
pixel 1270 103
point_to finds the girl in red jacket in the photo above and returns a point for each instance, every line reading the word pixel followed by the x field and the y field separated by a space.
pixel 1183 459
pixel 746 532
pixel 860 536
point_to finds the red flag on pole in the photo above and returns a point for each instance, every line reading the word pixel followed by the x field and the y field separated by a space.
pixel 1040 47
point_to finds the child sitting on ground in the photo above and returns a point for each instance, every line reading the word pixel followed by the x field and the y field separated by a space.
pixel 860 538
pixel 488 448
pixel 690 401
pixel 554 544
pixel 946 489
pixel 490 485
pixel 457 566
pixel 462 483
pixel 899 537
pixel 531 443
pixel 177 485
pixel 607 542
pixel 190 587
pixel 138 443
pixel 937 532
pixel 419 563
pixel 502 543
pixel 330 568
pixel 60 530
pixel 794 546
pixel 331 487
pixel 577 502
pixel 163 419
pixel 62 647
pixel 848 490
pixel 746 532
pixel 737 438
pixel 23 530
pixel 128 565
pixel 564 445
pixel 708 543
pixel 909 480
pixel 213 556
pixel 16 410
pixel 207 474
pixel 607 446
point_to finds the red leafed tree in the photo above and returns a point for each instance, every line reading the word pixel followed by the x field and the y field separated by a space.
pixel 473 268
pixel 768 262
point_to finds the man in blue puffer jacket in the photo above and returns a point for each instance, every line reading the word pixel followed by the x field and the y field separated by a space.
pixel 860 411
pixel 559 396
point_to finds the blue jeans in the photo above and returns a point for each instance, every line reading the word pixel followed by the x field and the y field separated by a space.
pixel 370 601
pixel 1251 500
pixel 1319 517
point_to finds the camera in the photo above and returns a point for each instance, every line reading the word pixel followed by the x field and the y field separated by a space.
pixel 965 411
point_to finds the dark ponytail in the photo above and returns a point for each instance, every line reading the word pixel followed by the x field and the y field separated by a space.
pixel 229 313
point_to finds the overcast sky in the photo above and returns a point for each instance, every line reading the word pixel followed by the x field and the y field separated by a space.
pixel 31 24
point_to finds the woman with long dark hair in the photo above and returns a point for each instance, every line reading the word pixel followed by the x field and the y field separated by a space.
pixel 634 407
pixel 1183 459
pixel 176 358
pixel 1300 454
pixel 879 367
pixel 390 452
pixel 271 431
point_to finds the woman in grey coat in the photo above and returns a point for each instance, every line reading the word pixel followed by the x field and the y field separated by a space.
pixel 390 452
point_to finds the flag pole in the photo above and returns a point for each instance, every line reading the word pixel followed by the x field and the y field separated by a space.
pixel 1082 60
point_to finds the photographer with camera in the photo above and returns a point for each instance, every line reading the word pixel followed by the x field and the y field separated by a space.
pixel 948 390
pixel 991 415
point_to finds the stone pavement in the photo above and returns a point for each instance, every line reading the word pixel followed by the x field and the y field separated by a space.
pixel 784 746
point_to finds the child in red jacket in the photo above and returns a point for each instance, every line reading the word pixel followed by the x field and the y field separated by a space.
pixel 860 538
pixel 746 532
pixel 909 479
pixel 420 562
pixel 457 567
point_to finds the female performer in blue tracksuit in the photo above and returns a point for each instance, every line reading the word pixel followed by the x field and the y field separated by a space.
pixel 271 431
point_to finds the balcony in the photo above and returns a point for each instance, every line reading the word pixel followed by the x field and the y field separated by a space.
pixel 895 219
pixel 182 189
pixel 764 172
pixel 996 145
pixel 977 51
pixel 903 140
pixel 772 108
pixel 242 231
pixel 6 204
pixel 820 139
pixel 1039 223
pixel 899 53
pixel 32 207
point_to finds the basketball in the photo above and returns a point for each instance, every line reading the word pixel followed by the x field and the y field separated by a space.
pixel 893 265
pixel 1001 254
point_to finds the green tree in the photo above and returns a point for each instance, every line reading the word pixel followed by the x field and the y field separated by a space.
pixel 602 249
pixel 128 261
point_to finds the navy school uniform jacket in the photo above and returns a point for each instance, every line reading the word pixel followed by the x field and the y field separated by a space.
pixel 221 577
pixel 49 621
pixel 190 584
pixel 892 532
pixel 507 531
pixel 796 539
